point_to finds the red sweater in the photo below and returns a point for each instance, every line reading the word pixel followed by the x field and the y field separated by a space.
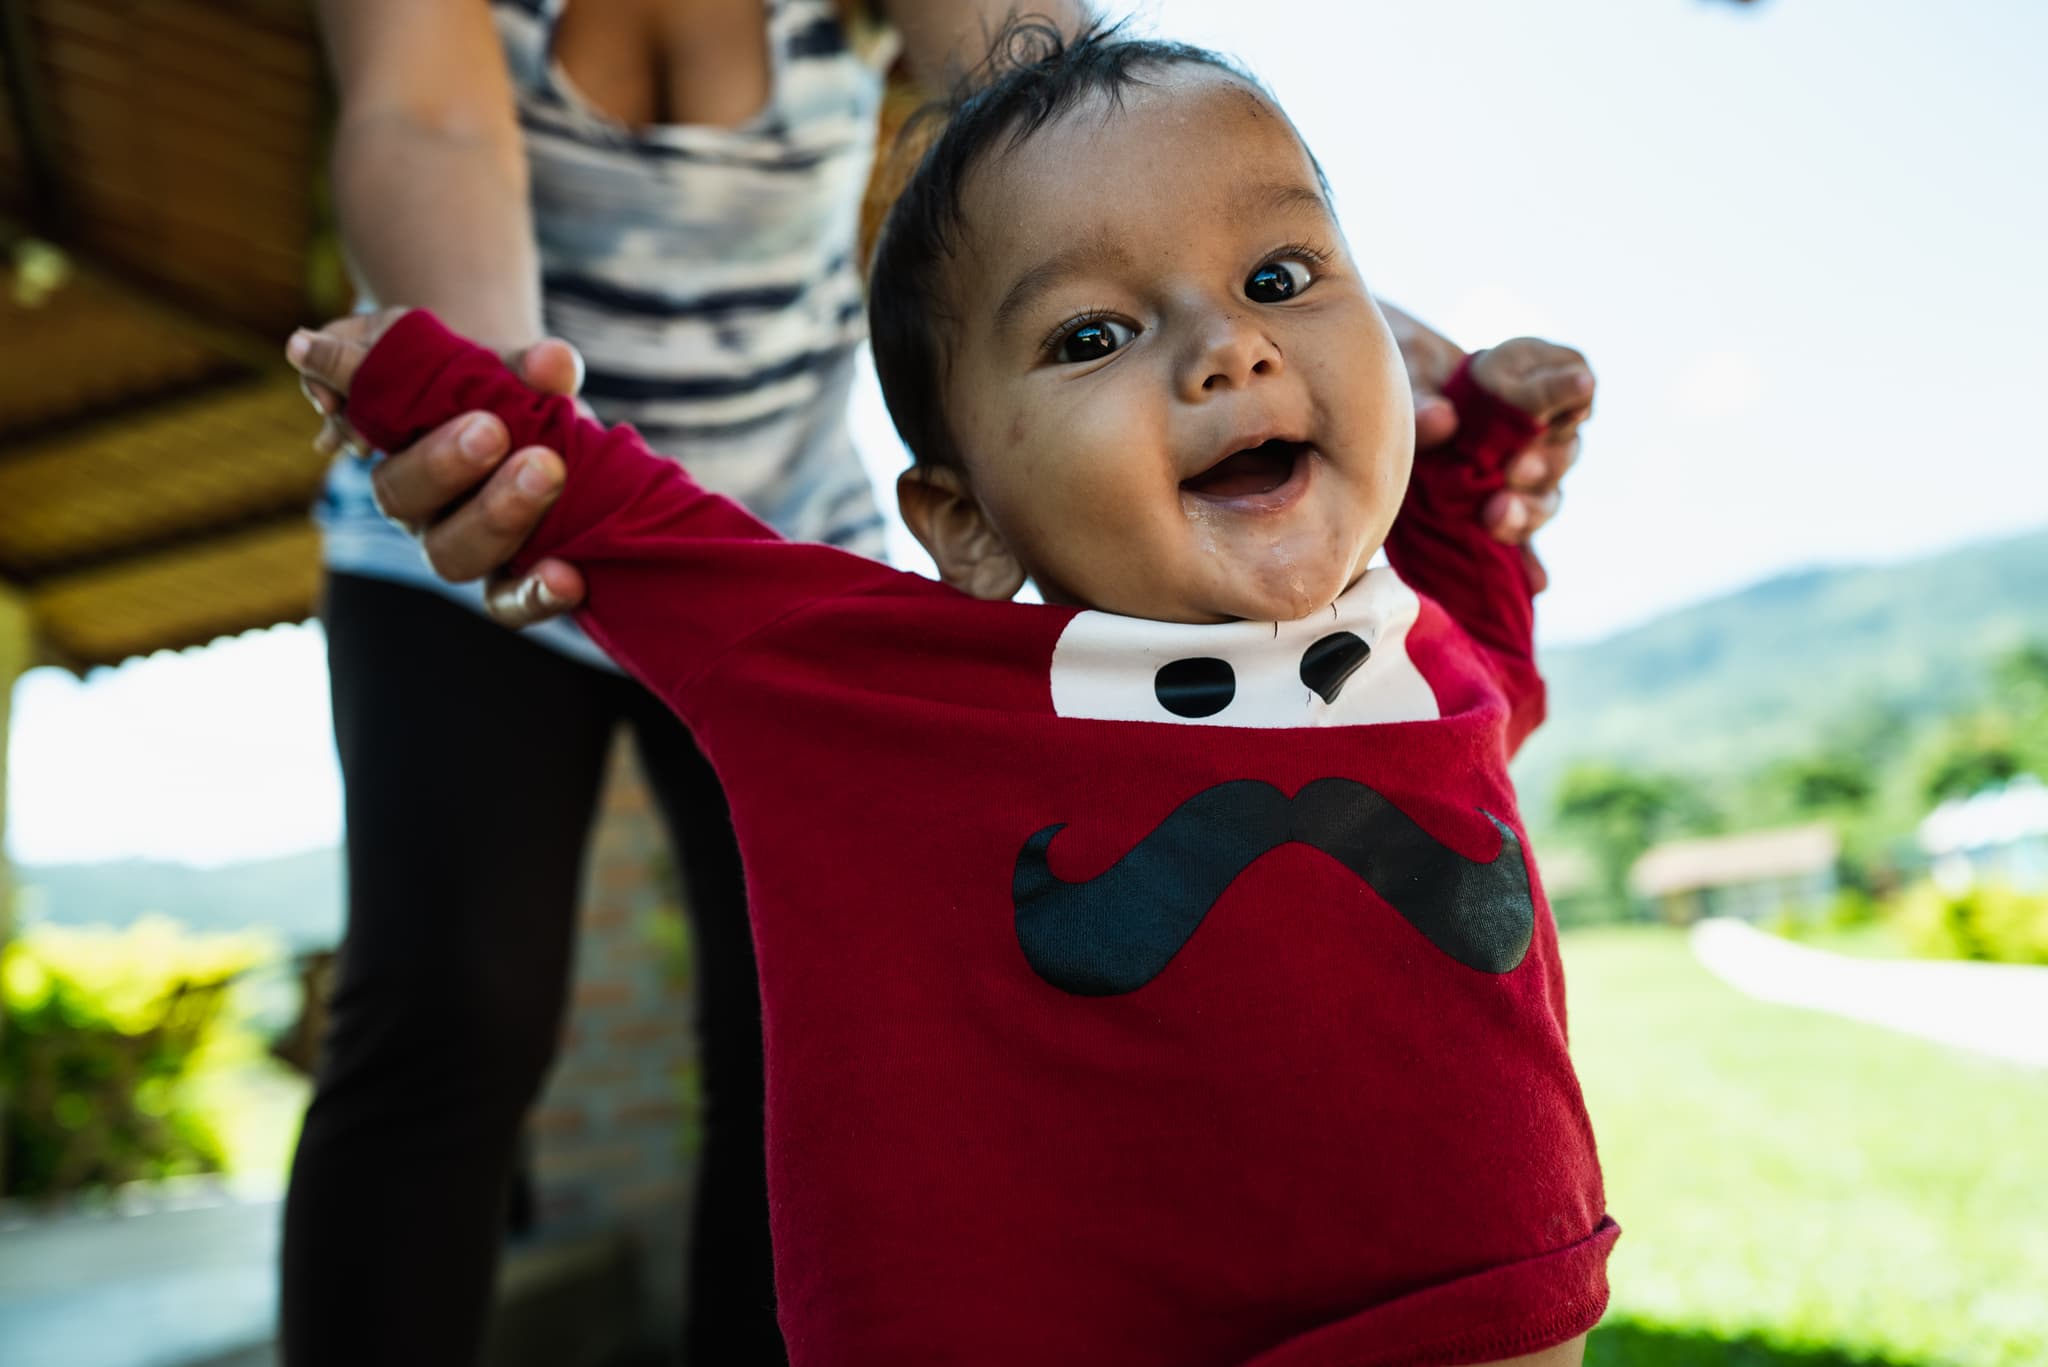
pixel 1135 992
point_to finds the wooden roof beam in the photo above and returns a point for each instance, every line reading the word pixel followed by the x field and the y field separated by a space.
pixel 49 204
pixel 232 340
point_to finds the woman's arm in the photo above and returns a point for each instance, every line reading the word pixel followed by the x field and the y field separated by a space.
pixel 429 173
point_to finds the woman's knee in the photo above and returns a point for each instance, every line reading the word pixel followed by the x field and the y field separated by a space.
pixel 470 1034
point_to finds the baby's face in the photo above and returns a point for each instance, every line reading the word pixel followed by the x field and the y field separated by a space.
pixel 1172 394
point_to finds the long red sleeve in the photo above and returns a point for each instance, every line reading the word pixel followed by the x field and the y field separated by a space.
pixel 1439 547
pixel 677 576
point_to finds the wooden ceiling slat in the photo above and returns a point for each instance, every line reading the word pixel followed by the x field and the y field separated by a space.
pixel 277 128
pixel 182 468
pixel 219 201
pixel 205 264
pixel 225 40
pixel 85 357
pixel 194 229
pixel 258 47
pixel 181 598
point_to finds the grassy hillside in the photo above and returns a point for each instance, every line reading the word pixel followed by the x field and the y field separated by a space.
pixel 298 897
pixel 1718 688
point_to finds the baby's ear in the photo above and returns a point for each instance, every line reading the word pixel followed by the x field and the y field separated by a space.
pixel 949 522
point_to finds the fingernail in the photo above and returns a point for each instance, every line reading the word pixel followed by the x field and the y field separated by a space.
pixel 546 597
pixel 1515 517
pixel 296 347
pixel 1527 470
pixel 534 479
pixel 479 438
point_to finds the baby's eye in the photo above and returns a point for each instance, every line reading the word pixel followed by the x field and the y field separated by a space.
pixel 1277 280
pixel 1092 340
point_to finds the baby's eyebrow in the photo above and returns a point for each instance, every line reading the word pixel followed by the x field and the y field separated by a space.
pixel 1094 253
pixel 1290 194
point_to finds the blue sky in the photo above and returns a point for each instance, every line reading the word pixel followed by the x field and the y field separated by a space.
pixel 1801 241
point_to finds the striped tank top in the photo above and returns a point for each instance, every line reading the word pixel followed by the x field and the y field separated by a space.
pixel 708 277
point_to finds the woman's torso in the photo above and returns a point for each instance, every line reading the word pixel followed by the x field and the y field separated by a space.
pixel 695 208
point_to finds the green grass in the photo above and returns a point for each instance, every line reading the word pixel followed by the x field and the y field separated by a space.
pixel 1801 1191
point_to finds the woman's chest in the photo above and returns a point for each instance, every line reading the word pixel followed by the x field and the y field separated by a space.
pixel 704 63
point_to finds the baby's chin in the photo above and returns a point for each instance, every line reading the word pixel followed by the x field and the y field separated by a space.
pixel 1272 587
pixel 1269 594
pixel 1285 589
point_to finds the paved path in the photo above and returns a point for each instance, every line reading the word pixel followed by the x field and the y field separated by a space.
pixel 158 1288
pixel 1996 1009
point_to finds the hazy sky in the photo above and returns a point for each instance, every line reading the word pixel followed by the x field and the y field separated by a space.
pixel 1801 242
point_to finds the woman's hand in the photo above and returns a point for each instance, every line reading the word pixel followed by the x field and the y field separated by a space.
pixel 1536 475
pixel 455 491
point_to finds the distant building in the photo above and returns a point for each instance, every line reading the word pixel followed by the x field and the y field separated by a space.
pixel 1997 835
pixel 1753 875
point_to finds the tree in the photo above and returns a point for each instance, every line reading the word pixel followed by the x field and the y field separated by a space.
pixel 2003 738
pixel 1973 752
pixel 1619 813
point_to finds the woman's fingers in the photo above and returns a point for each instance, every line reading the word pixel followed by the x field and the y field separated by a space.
pixel 551 366
pixel 550 589
pixel 414 487
pixel 488 530
pixel 1515 515
pixel 330 356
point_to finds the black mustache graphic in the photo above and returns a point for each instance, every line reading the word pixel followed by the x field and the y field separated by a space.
pixel 1118 930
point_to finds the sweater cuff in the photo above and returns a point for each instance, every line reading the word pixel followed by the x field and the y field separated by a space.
pixel 390 403
pixel 1490 430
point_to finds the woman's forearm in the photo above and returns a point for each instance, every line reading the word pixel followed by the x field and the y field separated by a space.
pixel 438 218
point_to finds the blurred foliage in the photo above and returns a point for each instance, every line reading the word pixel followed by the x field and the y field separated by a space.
pixel 1986 921
pixel 2004 736
pixel 1971 753
pixel 103 1030
pixel 1615 814
pixel 1873 772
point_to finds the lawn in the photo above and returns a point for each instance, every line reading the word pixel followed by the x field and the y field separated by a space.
pixel 1801 1191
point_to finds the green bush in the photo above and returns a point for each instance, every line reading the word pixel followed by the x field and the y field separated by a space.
pixel 102 1027
pixel 1986 921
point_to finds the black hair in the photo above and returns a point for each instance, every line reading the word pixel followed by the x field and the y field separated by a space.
pixel 1031 76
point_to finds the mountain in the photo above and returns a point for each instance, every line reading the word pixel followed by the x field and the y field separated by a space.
pixel 297 897
pixel 1721 687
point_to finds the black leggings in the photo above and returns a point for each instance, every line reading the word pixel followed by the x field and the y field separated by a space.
pixel 473 760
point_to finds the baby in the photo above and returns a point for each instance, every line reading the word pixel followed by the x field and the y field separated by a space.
pixel 1158 974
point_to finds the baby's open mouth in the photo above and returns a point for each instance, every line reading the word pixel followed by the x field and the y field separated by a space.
pixel 1255 470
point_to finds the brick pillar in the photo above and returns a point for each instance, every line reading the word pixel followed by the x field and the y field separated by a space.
pixel 611 1136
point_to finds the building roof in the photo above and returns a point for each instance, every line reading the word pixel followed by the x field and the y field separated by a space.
pixel 160 233
pixel 1681 866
